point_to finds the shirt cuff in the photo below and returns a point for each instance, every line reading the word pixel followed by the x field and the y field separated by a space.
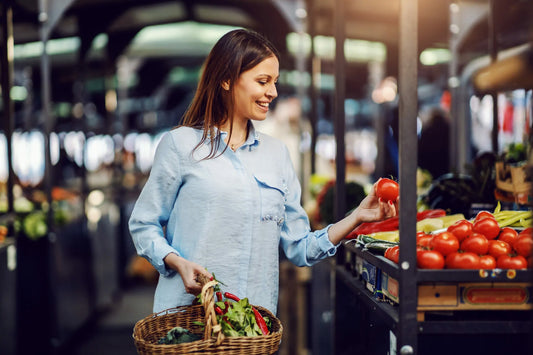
pixel 324 243
pixel 158 262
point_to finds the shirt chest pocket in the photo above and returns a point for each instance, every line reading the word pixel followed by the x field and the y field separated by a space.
pixel 272 190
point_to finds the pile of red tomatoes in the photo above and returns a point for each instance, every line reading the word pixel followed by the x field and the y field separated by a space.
pixel 477 244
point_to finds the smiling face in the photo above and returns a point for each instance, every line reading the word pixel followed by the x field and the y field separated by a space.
pixel 255 89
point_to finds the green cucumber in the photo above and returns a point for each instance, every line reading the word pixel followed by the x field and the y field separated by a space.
pixel 379 246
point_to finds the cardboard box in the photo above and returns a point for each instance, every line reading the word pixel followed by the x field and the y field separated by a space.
pixel 371 276
pixel 358 266
pixel 465 296
pixel 475 296
pixel 390 287
pixel 512 178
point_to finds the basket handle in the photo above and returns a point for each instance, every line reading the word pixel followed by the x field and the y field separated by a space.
pixel 208 302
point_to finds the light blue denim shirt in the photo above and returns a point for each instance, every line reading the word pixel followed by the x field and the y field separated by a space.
pixel 228 214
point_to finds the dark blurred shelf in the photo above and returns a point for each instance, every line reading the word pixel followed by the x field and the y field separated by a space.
pixel 475 327
pixel 386 311
pixel 7 218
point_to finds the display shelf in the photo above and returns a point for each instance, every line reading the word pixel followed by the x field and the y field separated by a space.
pixel 377 260
pixel 475 327
pixel 496 275
pixel 442 322
pixel 388 312
pixel 445 275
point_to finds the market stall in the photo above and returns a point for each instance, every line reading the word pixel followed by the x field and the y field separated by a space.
pixel 423 299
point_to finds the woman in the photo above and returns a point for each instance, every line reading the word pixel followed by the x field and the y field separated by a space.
pixel 222 197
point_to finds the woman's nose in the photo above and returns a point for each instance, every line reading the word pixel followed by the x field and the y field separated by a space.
pixel 272 91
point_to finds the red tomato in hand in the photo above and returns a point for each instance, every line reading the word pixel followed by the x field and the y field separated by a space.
pixel 489 227
pixel 461 229
pixel 487 262
pixel 429 259
pixel 445 243
pixel 508 235
pixel 511 262
pixel 387 189
pixel 483 214
pixel 524 245
pixel 498 248
pixel 477 243
pixel 465 260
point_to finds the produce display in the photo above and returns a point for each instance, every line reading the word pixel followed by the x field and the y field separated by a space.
pixel 500 239
pixel 486 242
pixel 429 220
pixel 456 192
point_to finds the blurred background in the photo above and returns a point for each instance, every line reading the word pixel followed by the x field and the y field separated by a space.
pixel 89 86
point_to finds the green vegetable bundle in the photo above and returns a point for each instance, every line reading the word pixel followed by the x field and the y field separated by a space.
pixel 179 335
pixel 238 319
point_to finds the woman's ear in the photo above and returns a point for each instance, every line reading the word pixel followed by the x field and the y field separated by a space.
pixel 225 85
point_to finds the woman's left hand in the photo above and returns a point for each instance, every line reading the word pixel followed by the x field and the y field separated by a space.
pixel 369 210
pixel 373 208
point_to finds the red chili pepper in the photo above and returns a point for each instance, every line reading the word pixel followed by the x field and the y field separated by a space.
pixel 231 296
pixel 218 310
pixel 219 296
pixel 435 213
pixel 260 321
pixel 391 224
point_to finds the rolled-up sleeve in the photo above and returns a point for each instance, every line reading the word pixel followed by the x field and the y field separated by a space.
pixel 302 246
pixel 154 204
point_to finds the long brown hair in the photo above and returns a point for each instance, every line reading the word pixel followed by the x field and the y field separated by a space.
pixel 212 106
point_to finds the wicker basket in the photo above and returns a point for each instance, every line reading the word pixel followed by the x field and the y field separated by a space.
pixel 150 329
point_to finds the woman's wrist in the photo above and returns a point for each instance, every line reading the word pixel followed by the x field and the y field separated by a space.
pixel 355 218
pixel 173 261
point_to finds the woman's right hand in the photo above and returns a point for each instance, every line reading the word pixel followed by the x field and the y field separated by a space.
pixel 189 272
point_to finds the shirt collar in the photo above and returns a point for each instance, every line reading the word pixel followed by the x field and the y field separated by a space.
pixel 252 140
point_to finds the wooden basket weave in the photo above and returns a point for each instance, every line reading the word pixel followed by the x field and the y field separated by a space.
pixel 150 329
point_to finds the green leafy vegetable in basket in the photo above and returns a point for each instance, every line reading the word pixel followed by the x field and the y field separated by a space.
pixel 179 335
pixel 237 318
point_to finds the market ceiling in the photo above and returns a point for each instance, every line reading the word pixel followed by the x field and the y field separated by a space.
pixel 122 20
pixel 375 20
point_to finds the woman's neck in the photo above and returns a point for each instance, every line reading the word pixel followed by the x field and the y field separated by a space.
pixel 239 134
